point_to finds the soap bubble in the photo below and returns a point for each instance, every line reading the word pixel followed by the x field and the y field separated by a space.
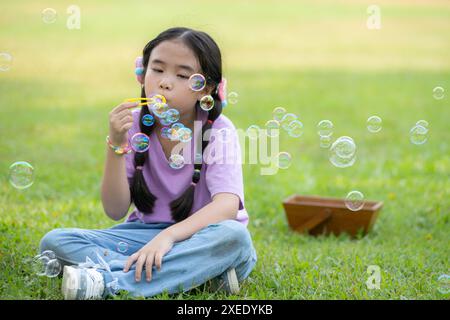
pixel 5 61
pixel 422 123
pixel 233 97
pixel 283 160
pixel 172 115
pixel 49 254
pixel 165 132
pixel 278 113
pixel 49 15
pixel 184 134
pixel 273 128
pixel 197 82
pixel 325 142
pixel 374 124
pixel 354 200
pixel 156 98
pixel 53 268
pixel 253 131
pixel 177 126
pixel 122 247
pixel 343 152
pixel 444 284
pixel 159 109
pixel 148 120
pixel 176 161
pixel 39 264
pixel 325 128
pixel 207 102
pixel 438 93
pixel 295 129
pixel 21 175
pixel 418 135
pixel 286 120
pixel 344 147
pixel 140 142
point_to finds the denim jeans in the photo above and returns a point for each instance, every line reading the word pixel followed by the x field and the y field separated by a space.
pixel 190 263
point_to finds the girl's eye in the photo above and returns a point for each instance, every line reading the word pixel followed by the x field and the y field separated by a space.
pixel 183 76
pixel 157 70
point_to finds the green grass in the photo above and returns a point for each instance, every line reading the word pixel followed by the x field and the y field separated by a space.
pixel 316 59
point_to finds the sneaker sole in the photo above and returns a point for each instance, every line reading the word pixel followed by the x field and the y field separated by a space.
pixel 233 281
pixel 70 283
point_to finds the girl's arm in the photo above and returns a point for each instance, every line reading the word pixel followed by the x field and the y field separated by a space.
pixel 223 206
pixel 116 198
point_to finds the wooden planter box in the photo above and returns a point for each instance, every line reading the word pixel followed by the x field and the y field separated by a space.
pixel 318 215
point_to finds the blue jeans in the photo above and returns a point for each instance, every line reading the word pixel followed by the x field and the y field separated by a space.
pixel 190 263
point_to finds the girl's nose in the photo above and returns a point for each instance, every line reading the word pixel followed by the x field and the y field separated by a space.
pixel 165 85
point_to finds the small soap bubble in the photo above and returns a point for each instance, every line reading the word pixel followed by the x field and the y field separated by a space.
pixel 159 109
pixel 172 115
pixel 343 152
pixel 140 142
pixel 444 284
pixel 5 61
pixel 165 132
pixel 148 120
pixel 177 126
pixel 287 120
pixel 173 134
pixel 176 161
pixel 53 268
pixel 197 82
pixel 39 264
pixel 325 128
pixel 284 160
pixel 49 15
pixel 354 200
pixel 49 254
pixel 253 132
pixel 157 98
pixel 325 142
pixel 422 123
pixel 164 120
pixel 418 135
pixel 185 134
pixel 278 113
pixel 374 124
pixel 233 97
pixel 21 175
pixel 344 147
pixel 273 128
pixel 295 129
pixel 438 93
pixel 122 247
pixel 207 102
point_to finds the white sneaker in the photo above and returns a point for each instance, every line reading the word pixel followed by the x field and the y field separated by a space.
pixel 227 282
pixel 82 284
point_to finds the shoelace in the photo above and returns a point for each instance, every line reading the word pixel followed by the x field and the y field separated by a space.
pixel 111 286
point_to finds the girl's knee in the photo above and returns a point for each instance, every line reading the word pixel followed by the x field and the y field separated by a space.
pixel 52 240
pixel 237 232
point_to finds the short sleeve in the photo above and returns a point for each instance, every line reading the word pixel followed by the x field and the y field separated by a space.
pixel 223 162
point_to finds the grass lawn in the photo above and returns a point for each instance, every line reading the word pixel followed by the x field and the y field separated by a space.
pixel 317 59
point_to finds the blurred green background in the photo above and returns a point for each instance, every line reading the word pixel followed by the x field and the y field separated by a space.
pixel 317 59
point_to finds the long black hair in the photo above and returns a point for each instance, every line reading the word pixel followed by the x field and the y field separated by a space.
pixel 209 57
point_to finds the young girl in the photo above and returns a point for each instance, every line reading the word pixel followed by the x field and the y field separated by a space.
pixel 189 224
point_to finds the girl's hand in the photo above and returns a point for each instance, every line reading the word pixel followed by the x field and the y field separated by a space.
pixel 120 121
pixel 151 253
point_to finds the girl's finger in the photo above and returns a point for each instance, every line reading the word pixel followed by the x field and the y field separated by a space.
pixel 125 105
pixel 139 264
pixel 126 127
pixel 125 120
pixel 158 260
pixel 123 113
pixel 130 262
pixel 149 266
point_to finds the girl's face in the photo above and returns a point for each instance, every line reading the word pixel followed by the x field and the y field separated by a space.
pixel 170 65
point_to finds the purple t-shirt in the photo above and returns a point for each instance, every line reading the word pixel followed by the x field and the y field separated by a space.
pixel 220 171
